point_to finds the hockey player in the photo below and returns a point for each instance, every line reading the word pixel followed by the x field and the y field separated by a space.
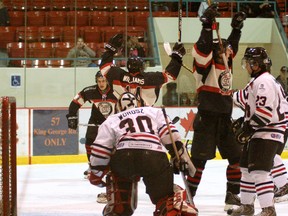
pixel 103 104
pixel 145 85
pixel 131 145
pixel 279 171
pixel 262 133
pixel 212 124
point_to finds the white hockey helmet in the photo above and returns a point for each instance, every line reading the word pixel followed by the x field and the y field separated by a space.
pixel 127 101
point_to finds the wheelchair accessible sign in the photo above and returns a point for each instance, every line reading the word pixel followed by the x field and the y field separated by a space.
pixel 15 81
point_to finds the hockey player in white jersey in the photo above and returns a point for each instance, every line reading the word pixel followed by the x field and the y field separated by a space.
pixel 130 145
pixel 262 133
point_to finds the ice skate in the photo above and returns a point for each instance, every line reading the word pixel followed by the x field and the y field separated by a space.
pixel 268 211
pixel 102 198
pixel 242 210
pixel 281 194
pixel 230 200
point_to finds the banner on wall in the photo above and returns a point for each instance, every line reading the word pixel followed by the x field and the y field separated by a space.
pixel 51 136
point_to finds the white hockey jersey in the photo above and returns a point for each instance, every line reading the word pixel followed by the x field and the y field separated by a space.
pixel 265 106
pixel 137 128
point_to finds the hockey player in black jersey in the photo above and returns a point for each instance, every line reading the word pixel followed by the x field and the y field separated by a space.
pixel 103 104
pixel 145 85
pixel 212 124
pixel 262 132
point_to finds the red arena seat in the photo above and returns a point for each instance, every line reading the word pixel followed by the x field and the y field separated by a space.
pixel 57 18
pixel 27 34
pixel 17 18
pixel 16 50
pixel 7 35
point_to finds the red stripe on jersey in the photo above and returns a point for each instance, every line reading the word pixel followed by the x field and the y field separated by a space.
pixel 213 89
pixel 260 110
pixel 102 152
pixel 200 53
pixel 145 135
pixel 278 170
pixel 203 66
pixel 105 65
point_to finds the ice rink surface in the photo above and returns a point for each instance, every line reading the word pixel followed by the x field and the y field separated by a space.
pixel 61 190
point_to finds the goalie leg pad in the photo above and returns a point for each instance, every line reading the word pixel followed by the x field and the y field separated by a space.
pixel 175 205
pixel 121 196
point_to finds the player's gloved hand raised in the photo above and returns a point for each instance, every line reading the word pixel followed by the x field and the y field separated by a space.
pixel 244 134
pixel 96 177
pixel 178 52
pixel 238 19
pixel 115 43
pixel 209 15
pixel 72 121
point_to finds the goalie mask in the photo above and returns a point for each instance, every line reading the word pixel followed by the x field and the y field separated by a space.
pixel 135 64
pixel 256 56
pixel 127 101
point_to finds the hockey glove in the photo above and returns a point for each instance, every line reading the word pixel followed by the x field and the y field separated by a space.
pixel 96 177
pixel 72 121
pixel 244 134
pixel 114 43
pixel 178 52
pixel 209 15
pixel 185 165
pixel 236 125
pixel 237 21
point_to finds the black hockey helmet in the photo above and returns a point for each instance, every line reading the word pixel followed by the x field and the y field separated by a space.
pixel 135 64
pixel 216 44
pixel 127 101
pixel 256 56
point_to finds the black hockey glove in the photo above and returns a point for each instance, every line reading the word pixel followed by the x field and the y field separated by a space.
pixel 244 134
pixel 72 121
pixel 114 43
pixel 237 124
pixel 185 165
pixel 209 15
pixel 238 19
pixel 178 52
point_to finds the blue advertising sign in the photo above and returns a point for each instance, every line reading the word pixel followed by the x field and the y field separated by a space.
pixel 51 135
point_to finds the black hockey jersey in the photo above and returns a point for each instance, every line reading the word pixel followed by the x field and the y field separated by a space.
pixel 213 82
pixel 103 105
pixel 147 84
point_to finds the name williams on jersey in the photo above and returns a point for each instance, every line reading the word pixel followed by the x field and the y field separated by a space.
pixel 133 80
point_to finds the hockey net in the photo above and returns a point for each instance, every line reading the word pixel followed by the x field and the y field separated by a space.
pixel 8 177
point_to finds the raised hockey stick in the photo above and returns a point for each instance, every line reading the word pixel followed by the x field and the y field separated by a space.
pixel 168 51
pixel 88 125
pixel 180 21
pixel 188 192
pixel 220 41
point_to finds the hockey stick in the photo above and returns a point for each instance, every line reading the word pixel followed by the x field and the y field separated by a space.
pixel 168 51
pixel 179 21
pixel 220 41
pixel 88 125
pixel 189 195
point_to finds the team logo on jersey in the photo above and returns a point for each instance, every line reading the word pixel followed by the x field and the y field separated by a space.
pixel 224 81
pixel 105 108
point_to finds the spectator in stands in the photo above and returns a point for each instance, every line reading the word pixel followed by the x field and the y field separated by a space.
pixel 81 50
pixel 170 98
pixel 134 47
pixel 4 16
pixel 160 6
pixel 282 78
pixel 264 9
